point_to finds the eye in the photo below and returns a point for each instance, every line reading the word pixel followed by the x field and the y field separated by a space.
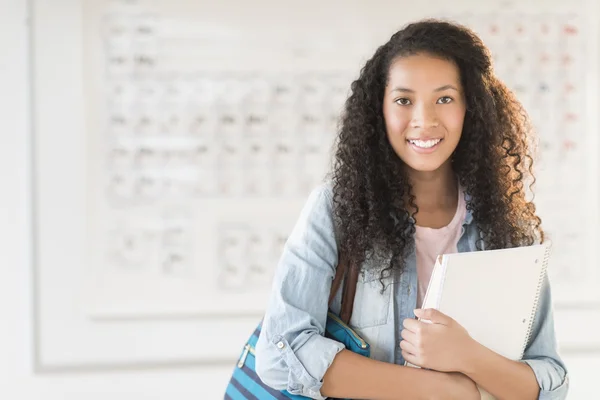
pixel 403 101
pixel 444 100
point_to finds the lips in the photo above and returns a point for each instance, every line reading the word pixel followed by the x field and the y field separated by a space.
pixel 425 145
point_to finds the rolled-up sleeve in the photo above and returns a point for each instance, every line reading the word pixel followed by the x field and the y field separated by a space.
pixel 542 354
pixel 292 354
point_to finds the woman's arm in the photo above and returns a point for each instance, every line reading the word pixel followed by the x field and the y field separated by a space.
pixel 293 354
pixel 541 353
pixel 446 346
pixel 354 376
pixel 501 377
pixel 540 374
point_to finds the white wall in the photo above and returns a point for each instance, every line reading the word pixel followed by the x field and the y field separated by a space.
pixel 18 380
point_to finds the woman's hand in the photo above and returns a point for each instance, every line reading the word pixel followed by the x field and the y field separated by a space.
pixel 442 344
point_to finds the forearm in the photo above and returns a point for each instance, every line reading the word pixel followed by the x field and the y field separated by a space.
pixel 354 376
pixel 501 377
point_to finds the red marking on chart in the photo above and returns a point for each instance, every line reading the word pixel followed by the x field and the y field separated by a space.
pixel 571 117
pixel 569 145
pixel 570 30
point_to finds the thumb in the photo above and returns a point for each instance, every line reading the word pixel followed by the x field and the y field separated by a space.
pixel 433 315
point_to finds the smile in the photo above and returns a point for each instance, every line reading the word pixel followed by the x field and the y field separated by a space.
pixel 424 144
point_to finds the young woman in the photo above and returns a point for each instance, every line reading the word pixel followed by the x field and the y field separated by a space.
pixel 432 157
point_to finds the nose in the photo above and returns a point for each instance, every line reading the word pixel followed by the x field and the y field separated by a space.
pixel 424 116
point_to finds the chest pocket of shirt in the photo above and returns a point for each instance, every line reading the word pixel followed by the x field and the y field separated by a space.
pixel 371 304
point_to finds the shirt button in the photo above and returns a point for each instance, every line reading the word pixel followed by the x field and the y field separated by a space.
pixel 280 345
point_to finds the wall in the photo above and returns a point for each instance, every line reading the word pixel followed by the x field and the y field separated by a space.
pixel 18 379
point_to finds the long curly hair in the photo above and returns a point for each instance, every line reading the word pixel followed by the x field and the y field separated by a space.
pixel 372 195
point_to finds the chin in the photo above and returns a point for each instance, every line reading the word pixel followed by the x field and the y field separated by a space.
pixel 427 169
pixel 424 167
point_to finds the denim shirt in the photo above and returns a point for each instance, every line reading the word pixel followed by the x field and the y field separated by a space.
pixel 292 352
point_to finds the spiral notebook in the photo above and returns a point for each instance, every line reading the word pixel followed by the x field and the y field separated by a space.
pixel 493 294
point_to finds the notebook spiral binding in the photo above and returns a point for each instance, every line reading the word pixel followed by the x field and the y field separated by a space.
pixel 537 298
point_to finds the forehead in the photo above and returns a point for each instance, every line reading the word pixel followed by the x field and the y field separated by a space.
pixel 423 71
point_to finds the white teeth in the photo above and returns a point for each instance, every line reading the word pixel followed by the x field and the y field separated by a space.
pixel 425 144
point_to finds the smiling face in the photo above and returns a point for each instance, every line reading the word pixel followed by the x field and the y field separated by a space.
pixel 424 109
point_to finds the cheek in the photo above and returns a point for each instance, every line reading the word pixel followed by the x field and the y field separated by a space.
pixel 396 122
pixel 453 120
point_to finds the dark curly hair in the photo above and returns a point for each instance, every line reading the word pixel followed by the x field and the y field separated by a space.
pixel 493 163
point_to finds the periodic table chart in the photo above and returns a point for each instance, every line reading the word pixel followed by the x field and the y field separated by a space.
pixel 206 138
pixel 547 61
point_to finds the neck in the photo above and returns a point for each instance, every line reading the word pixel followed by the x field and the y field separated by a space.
pixel 434 190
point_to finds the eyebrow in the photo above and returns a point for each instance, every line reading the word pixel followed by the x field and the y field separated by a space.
pixel 441 88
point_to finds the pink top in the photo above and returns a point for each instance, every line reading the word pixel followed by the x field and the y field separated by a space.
pixel 431 242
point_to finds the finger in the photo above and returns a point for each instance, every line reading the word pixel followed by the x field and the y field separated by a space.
pixel 419 328
pixel 409 336
pixel 433 315
pixel 408 347
pixel 411 324
pixel 411 358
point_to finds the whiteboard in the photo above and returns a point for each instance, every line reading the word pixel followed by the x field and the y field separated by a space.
pixel 176 142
